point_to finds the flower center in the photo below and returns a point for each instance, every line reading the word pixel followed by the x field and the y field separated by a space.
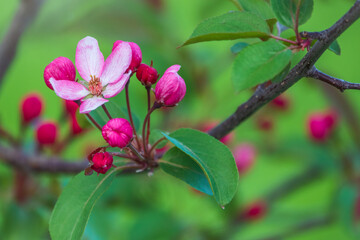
pixel 95 86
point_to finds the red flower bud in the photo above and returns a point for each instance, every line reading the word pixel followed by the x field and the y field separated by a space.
pixel 75 127
pixel 171 88
pixel 117 132
pixel 255 211
pixel 46 133
pixel 281 102
pixel 101 162
pixel 61 68
pixel 244 154
pixel 265 123
pixel 147 75
pixel 31 107
pixel 136 54
pixel 71 107
pixel 321 125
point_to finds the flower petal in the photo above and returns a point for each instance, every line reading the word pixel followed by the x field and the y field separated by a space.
pixel 91 104
pixel 114 89
pixel 116 64
pixel 68 90
pixel 173 68
pixel 88 59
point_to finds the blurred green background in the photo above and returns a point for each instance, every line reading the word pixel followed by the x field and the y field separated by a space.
pixel 162 207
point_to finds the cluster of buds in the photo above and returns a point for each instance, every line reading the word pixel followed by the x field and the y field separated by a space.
pixel 104 79
pixel 321 124
pixel 46 132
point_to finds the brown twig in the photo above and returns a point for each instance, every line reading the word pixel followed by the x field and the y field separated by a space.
pixel 264 95
pixel 25 14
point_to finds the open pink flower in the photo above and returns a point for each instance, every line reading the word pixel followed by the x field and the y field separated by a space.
pixel 103 79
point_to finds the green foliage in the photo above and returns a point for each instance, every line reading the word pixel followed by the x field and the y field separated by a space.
pixel 259 7
pixel 212 157
pixel 73 208
pixel 230 26
pixel 335 47
pixel 285 11
pixel 115 111
pixel 259 63
pixel 237 47
pixel 155 135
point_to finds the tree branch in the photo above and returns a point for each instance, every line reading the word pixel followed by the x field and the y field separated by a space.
pixel 264 95
pixel 37 163
pixel 26 12
pixel 340 84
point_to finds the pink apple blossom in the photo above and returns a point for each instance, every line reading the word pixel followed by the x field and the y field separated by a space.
pixel 101 162
pixel 103 79
pixel 136 55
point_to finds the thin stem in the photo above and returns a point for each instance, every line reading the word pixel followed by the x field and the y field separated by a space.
pixel 129 113
pixel 148 123
pixel 93 121
pixel 122 155
pixel 106 111
pixel 156 143
pixel 296 25
pixel 283 39
pixel 144 126
pixel 237 4
pixel 136 152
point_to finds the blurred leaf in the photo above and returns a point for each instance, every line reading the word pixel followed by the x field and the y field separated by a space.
pixel 285 11
pixel 73 208
pixel 237 47
pixel 214 159
pixel 115 111
pixel 335 47
pixel 24 219
pixel 258 7
pixel 230 26
pixel 347 202
pixel 259 63
pixel 271 22
pixel 185 168
pixel 155 225
pixel 281 28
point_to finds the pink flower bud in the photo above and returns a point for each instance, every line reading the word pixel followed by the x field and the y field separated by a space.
pixel 321 125
pixel 71 107
pixel 281 102
pixel 136 55
pixel 147 75
pixel 244 154
pixel 46 133
pixel 117 132
pixel 31 107
pixel 171 88
pixel 101 162
pixel 61 68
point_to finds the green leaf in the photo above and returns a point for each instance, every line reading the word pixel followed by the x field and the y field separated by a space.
pixel 335 47
pixel 115 111
pixel 212 157
pixel 258 7
pixel 182 166
pixel 285 11
pixel 259 63
pixel 73 208
pixel 230 26
pixel 237 47
pixel 282 74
